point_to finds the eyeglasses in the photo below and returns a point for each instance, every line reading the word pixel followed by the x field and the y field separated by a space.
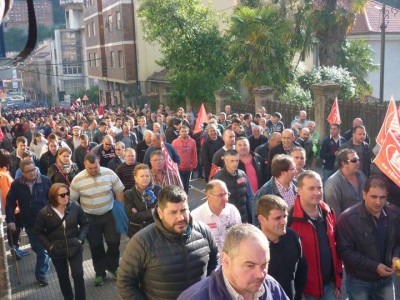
pixel 63 195
pixel 221 195
pixel 353 160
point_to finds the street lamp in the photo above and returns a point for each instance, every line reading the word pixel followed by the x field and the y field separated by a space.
pixel 383 41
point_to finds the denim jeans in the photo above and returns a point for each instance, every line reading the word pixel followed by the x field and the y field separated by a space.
pixel 185 177
pixel 329 288
pixel 75 263
pixel 103 228
pixel 381 289
pixel 42 258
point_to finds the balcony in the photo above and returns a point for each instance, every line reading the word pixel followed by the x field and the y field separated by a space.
pixel 65 2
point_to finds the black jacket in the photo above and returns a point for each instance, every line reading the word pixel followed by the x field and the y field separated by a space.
pixel 365 156
pixel 15 160
pixel 207 151
pixel 160 264
pixel 46 160
pixel 357 244
pixel 258 165
pixel 65 241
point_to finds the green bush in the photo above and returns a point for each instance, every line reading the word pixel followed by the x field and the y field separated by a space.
pixel 336 74
pixel 295 94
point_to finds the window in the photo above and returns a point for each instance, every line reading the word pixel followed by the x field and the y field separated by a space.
pixel 88 30
pixel 95 59
pixel 90 60
pixel 120 59
pixel 118 17
pixel 110 23
pixel 112 59
pixel 94 28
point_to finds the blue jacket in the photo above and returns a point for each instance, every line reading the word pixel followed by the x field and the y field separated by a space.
pixel 213 288
pixel 172 152
pixel 30 203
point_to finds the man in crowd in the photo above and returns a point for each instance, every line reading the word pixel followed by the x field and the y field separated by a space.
pixel 105 151
pixel 30 132
pixel 97 201
pixel 357 142
pixel 91 130
pixel 307 144
pixel 166 257
pixel 301 119
pixel 22 145
pixel 238 184
pixel 119 157
pixel 125 170
pixel 330 148
pixel 216 212
pixel 349 133
pixel 287 264
pixel 344 188
pixel 281 182
pixel 185 146
pixel 263 150
pixel 160 175
pixel 100 133
pixel 315 222
pixel 248 124
pixel 275 124
pixel 156 145
pixel 140 128
pixel 256 139
pixel 367 241
pixel 229 143
pixel 209 147
pixel 80 152
pixel 244 271
pixel 236 126
pixel 31 192
pixel 143 145
pixel 127 136
pixel 315 137
pixel 74 141
pixel 299 156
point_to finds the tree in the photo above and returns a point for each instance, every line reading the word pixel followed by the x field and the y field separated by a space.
pixel 191 44
pixel 260 47
pixel 357 57
pixel 15 39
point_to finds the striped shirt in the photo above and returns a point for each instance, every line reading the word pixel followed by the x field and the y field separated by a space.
pixel 96 192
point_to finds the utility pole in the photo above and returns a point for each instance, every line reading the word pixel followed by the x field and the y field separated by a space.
pixel 383 41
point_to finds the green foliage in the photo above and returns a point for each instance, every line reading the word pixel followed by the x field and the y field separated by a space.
pixel 58 13
pixel 294 93
pixel 15 38
pixel 336 74
pixel 252 3
pixel 191 44
pixel 358 58
pixel 259 48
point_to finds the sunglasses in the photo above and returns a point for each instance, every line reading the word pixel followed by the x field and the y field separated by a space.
pixel 63 195
pixel 353 160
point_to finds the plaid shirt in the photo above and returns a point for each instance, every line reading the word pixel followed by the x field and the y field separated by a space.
pixel 169 178
pixel 287 194
pixel 236 296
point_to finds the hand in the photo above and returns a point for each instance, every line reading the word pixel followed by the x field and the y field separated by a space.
pixel 11 226
pixel 337 292
pixel 134 210
pixel 396 265
pixel 384 270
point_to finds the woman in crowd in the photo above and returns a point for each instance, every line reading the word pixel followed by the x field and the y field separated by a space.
pixel 49 157
pixel 61 228
pixel 37 144
pixel 140 200
pixel 64 170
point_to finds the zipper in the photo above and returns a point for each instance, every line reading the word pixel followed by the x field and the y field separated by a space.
pixel 66 242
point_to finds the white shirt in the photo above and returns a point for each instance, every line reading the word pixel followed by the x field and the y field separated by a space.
pixel 219 225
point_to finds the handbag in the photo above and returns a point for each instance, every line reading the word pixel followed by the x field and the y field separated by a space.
pixel 121 219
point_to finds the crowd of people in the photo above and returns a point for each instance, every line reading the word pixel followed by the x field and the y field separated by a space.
pixel 285 209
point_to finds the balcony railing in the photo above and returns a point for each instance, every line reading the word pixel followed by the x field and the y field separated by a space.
pixel 64 2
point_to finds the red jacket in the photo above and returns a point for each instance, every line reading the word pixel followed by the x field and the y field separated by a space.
pixel 187 152
pixel 310 244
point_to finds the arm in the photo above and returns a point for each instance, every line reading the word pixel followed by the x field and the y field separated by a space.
pixel 194 156
pixel 41 229
pixel 131 270
pixel 333 194
pixel 83 224
pixel 175 156
pixel 135 217
pixel 250 204
pixel 300 278
pixel 325 154
pixel 120 196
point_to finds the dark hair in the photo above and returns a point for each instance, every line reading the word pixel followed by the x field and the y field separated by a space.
pixel 21 139
pixel 5 158
pixel 281 163
pixel 231 152
pixel 237 121
pixel 336 124
pixel 358 127
pixel 269 202
pixel 247 116
pixel 83 137
pixel 91 158
pixel 376 181
pixel 53 192
pixel 277 115
pixel 342 156
pixel 25 163
pixel 26 154
pixel 156 152
pixel 170 193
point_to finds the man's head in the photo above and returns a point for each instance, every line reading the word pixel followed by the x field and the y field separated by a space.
pixel 299 156
pixel 126 128
pixel 141 121
pixel 184 132
pixel 22 143
pixel 247 118
pixel 276 117
pixel 102 126
pixel 242 146
pixel 236 125
pixel 228 109
pixel 357 122
pixel 156 127
pixel 173 209
pixel 212 131
pixel 311 126
pixel 287 138
pixel 76 131
pixel 283 168
pixel 156 140
pixel 231 160
pixel 229 138
pixel 107 142
pixel 359 134
pixel 245 257
pixel 256 131
pixel 375 194
pixel 348 161
pixel 180 112
pixel 334 130
pixel 304 133
pixel 83 140
pixel 274 140
pixel 272 215
pixel 157 160
pixel 120 149
pixel 147 136
pixel 222 117
pixel 129 155
pixel 28 169
pixel 309 188
pixel 302 115
pixel 92 164
pixel 217 195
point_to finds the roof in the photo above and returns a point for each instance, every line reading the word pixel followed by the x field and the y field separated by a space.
pixel 370 19
pixel 159 76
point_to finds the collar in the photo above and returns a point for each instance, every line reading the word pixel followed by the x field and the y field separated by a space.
pixel 235 295
pixel 279 185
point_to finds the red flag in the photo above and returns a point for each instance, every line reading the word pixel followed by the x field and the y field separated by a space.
pixel 101 109
pixel 390 123
pixel 1 135
pixel 169 163
pixel 388 159
pixel 201 118
pixel 334 116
